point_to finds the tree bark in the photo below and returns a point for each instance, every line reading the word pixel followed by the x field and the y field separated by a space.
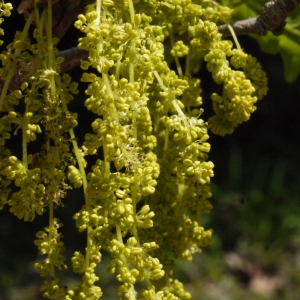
pixel 272 18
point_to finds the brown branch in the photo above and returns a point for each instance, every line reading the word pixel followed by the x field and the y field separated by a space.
pixel 68 10
pixel 272 19
pixel 72 58
pixel 64 12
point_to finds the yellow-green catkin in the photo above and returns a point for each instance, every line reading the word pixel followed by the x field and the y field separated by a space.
pixel 145 195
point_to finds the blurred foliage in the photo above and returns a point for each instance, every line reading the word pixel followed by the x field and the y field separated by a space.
pixel 256 247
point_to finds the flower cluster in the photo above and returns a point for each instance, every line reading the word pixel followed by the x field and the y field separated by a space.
pixel 37 106
pixel 5 9
pixel 241 89
pixel 145 194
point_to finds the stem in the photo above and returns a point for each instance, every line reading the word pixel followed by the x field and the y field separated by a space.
pixel 119 234
pixel 187 65
pixel 134 203
pixel 12 68
pixel 112 112
pixel 106 163
pixel 107 83
pixel 98 10
pixel 51 231
pixel 49 34
pixel 166 142
pixel 178 66
pixel 156 121
pixel 41 25
pixel 131 60
pixel 159 80
pixel 131 11
pixel 40 40
pixel 234 37
pixel 47 13
pixel 180 112
pixel 132 53
pixel 10 74
pixel 24 142
pixel 80 165
pixel 175 104
pixel 117 73
pixel 50 49
pixel 36 12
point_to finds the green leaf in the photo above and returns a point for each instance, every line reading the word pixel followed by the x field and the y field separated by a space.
pixel 289 48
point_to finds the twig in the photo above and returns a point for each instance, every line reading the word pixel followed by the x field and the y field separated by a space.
pixel 64 12
pixel 272 19
pixel 72 58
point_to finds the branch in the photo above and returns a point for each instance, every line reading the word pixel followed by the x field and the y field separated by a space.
pixel 72 58
pixel 272 19
pixel 64 13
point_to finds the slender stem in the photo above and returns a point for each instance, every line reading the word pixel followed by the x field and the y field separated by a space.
pixel 131 11
pixel 234 37
pixel 51 233
pixel 166 142
pixel 49 35
pixel 117 73
pixel 12 68
pixel 98 10
pixel 107 83
pixel 51 66
pixel 119 234
pixel 111 112
pixel 131 60
pixel 178 66
pixel 134 203
pixel 106 163
pixel 180 113
pixel 48 27
pixel 24 142
pixel 174 103
pixel 40 41
pixel 51 224
pixel 132 54
pixel 36 12
pixel 159 80
pixel 79 159
pixel 187 65
pixel 10 74
pixel 41 25
pixel 73 139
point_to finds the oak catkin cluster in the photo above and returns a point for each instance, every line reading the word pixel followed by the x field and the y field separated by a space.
pixel 146 193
